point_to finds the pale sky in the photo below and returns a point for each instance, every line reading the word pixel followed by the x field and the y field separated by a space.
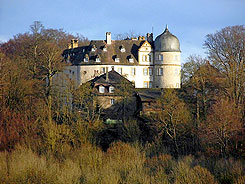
pixel 189 20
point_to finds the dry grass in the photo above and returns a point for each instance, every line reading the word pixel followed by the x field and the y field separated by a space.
pixel 121 164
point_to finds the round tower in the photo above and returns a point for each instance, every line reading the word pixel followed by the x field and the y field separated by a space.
pixel 167 64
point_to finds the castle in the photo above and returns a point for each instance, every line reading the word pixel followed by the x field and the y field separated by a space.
pixel 146 62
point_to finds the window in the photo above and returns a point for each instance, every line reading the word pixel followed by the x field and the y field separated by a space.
pixel 111 89
pixel 117 60
pixel 102 70
pixel 86 60
pixel 145 84
pixel 93 48
pixel 160 57
pixel 150 71
pixel 146 58
pixel 149 56
pixel 133 71
pixel 131 60
pixel 145 71
pixel 150 84
pixel 112 101
pixel 119 70
pixel 101 89
pixel 97 60
pixel 160 71
pixel 123 49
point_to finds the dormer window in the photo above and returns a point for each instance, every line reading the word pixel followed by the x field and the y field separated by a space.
pixel 101 89
pixel 93 49
pixel 117 60
pixel 105 49
pixel 86 59
pixel 97 59
pixel 111 89
pixel 122 49
pixel 130 59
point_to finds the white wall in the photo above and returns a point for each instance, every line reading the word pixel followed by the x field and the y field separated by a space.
pixel 171 70
pixel 84 73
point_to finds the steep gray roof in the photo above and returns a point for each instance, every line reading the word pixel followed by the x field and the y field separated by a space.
pixel 167 42
pixel 114 79
pixel 107 57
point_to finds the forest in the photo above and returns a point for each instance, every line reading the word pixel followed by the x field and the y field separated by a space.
pixel 197 136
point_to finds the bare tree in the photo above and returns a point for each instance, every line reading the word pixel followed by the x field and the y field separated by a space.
pixel 223 124
pixel 173 117
pixel 226 50
pixel 190 67
pixel 125 36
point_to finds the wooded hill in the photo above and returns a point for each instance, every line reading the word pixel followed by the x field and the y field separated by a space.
pixel 196 137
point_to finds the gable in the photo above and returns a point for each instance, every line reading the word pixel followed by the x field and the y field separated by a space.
pixel 146 46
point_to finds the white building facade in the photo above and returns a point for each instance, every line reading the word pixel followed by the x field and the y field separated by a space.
pixel 146 62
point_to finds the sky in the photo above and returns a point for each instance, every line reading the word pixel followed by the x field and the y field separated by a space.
pixel 189 20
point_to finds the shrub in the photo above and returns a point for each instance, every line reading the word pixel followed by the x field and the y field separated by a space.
pixel 240 180
pixel 185 174
pixel 128 162
pixel 3 166
pixel 228 170
pixel 27 167
pixel 163 162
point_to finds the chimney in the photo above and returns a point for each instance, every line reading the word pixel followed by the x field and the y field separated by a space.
pixel 141 38
pixel 74 43
pixel 108 38
pixel 149 37
pixel 107 75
